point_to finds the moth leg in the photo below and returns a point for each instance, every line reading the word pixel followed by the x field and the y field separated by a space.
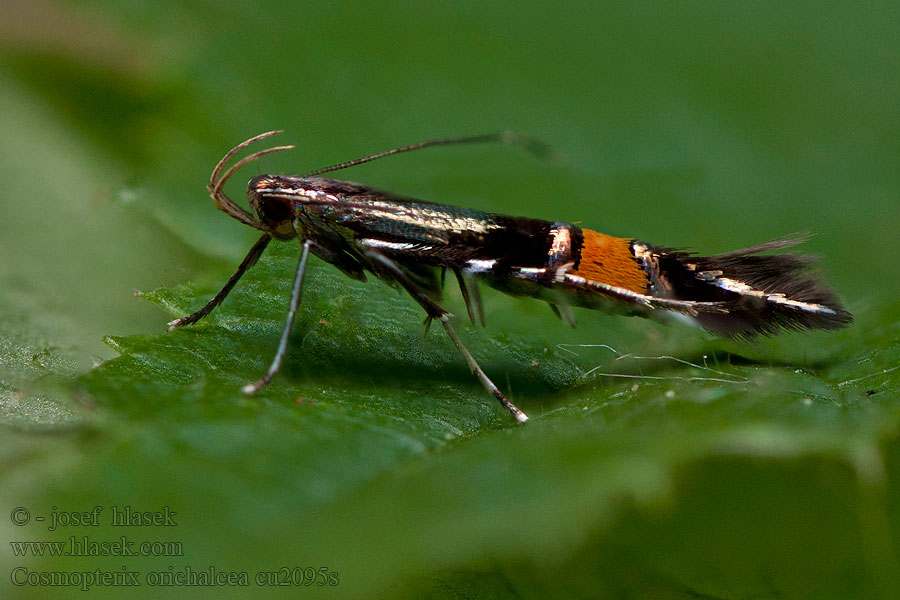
pixel 643 301
pixel 564 312
pixel 435 311
pixel 249 260
pixel 474 368
pixel 296 291
pixel 469 288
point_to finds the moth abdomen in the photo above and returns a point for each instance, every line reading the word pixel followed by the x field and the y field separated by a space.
pixel 763 293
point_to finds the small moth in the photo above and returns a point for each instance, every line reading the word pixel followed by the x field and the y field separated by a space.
pixel 412 243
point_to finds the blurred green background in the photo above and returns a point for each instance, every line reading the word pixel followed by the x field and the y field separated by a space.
pixel 375 455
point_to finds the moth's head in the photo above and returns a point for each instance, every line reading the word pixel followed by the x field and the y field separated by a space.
pixel 273 199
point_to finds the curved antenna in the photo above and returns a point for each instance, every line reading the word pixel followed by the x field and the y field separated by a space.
pixel 245 161
pixel 235 150
pixel 217 180
pixel 511 138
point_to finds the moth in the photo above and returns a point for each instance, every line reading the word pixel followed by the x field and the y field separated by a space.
pixel 412 244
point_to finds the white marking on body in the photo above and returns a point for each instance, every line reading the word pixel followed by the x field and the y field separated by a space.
pixel 436 219
pixel 532 272
pixel 289 193
pixel 562 242
pixel 808 306
pixel 480 265
pixel 732 285
pixel 578 280
pixel 689 306
pixel 706 275
pixel 373 243
pixel 559 274
pixel 640 250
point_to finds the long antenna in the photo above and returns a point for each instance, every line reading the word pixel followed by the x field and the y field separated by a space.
pixel 512 138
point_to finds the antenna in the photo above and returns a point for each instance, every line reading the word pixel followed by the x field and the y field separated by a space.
pixel 511 138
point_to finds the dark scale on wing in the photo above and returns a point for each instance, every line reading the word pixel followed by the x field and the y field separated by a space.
pixel 438 234
pixel 511 241
pixel 372 214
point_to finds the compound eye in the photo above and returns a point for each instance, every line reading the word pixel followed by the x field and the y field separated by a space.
pixel 275 209
pixel 272 204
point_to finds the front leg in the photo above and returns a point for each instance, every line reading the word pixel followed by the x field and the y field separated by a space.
pixel 249 260
pixel 435 311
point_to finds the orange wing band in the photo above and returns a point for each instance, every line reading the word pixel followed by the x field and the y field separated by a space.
pixel 609 260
